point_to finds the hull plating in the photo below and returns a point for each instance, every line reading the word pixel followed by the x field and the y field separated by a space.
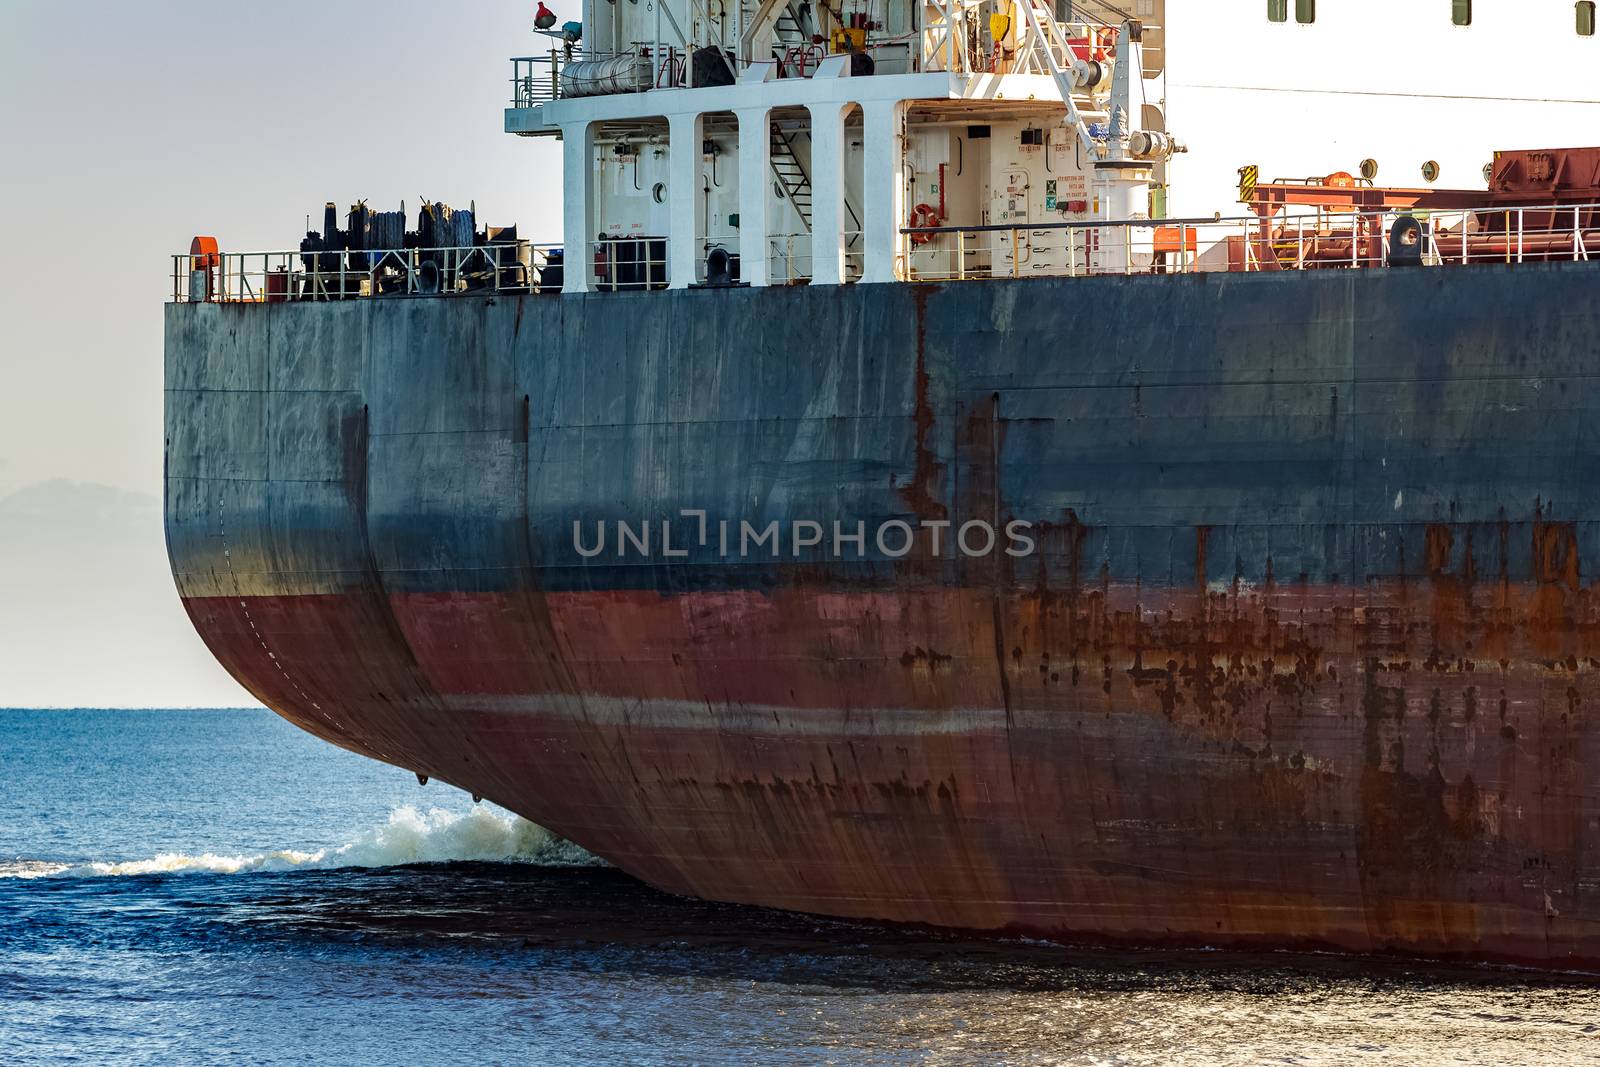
pixel 1307 655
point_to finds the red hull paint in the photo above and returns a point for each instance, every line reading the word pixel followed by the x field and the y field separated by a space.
pixel 1390 768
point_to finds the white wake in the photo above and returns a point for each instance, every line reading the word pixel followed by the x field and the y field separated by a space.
pixel 410 836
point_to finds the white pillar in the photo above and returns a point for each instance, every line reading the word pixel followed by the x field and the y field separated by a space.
pixel 577 222
pixel 827 193
pixel 685 205
pixel 883 173
pixel 755 184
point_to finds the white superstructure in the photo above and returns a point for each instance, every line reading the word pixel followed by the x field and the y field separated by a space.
pixel 754 126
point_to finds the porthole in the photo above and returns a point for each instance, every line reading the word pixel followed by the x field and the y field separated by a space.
pixel 658 192
pixel 1430 171
pixel 777 190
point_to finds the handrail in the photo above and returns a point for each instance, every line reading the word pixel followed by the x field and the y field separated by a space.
pixel 1305 240
pixel 529 86
pixel 532 85
pixel 292 276
pixel 1000 227
pixel 1047 33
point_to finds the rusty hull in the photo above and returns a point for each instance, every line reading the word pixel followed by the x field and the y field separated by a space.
pixel 1307 657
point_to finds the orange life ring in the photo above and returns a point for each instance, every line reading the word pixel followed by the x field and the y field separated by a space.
pixel 923 215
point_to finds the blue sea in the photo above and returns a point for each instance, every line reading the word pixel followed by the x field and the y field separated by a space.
pixel 199 887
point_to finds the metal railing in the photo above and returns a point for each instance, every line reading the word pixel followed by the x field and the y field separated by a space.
pixel 536 79
pixel 1311 241
pixel 1308 241
pixel 943 46
pixel 790 257
pixel 789 261
pixel 955 35
pixel 282 277
pixel 855 255
pixel 628 264
pixel 540 79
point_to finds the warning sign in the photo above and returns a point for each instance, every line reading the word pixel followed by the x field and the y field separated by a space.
pixel 1248 176
pixel 1050 195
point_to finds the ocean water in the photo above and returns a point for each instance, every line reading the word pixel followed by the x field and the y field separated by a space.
pixel 215 887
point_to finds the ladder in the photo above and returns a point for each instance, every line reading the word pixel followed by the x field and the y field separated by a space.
pixel 792 49
pixel 790 28
pixel 791 174
pixel 1044 39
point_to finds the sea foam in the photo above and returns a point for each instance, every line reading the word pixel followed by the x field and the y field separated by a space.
pixel 409 836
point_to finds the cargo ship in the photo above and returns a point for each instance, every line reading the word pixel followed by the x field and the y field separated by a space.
pixel 958 469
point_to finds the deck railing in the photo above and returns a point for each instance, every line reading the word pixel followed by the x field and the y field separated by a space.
pixel 536 79
pixel 282 277
pixel 1312 241
pixel 944 45
pixel 628 264
pixel 1307 241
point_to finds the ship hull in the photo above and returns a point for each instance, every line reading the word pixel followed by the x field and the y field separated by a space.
pixel 1304 654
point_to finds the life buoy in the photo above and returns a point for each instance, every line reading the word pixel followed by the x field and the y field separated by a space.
pixel 923 215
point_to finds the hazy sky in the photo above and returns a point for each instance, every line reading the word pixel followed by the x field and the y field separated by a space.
pixel 126 128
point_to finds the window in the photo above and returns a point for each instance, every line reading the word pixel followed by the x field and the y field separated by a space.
pixel 1277 10
pixel 1461 12
pixel 1305 11
pixel 1586 18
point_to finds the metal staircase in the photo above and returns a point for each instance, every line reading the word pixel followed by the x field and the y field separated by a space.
pixel 792 28
pixel 791 151
pixel 1044 48
pixel 790 171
